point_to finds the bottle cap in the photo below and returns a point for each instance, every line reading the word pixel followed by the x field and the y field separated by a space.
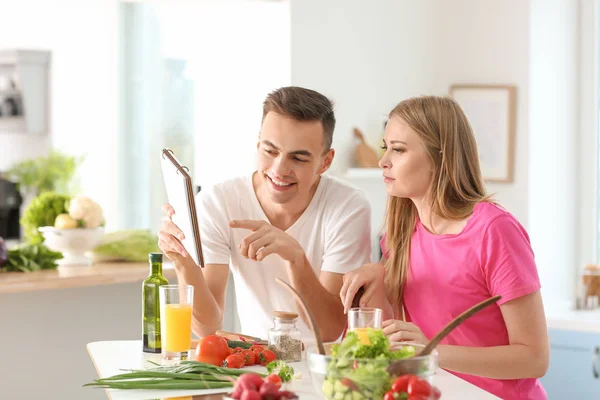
pixel 155 257
pixel 286 315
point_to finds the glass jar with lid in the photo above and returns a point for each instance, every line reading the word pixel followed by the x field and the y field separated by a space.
pixel 285 338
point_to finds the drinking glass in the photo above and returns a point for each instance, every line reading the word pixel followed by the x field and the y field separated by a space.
pixel 176 304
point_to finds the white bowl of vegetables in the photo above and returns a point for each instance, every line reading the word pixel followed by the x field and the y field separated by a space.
pixel 356 369
pixel 74 244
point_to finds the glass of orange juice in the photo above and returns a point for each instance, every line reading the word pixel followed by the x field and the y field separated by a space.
pixel 176 320
pixel 362 318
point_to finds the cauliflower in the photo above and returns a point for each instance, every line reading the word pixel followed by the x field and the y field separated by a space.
pixel 86 211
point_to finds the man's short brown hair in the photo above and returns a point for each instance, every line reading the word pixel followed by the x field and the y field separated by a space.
pixel 303 105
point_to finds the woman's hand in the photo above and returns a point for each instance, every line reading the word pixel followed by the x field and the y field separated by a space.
pixel 400 331
pixel 370 277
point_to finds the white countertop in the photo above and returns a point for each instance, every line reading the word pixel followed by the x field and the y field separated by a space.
pixel 111 356
pixel 574 320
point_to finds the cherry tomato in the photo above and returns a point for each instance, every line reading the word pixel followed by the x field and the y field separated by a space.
pixel 266 356
pixel 389 395
pixel 212 349
pixel 249 357
pixel 400 385
pixel 256 346
pixel 274 379
pixel 435 393
pixel 234 361
pixel 418 386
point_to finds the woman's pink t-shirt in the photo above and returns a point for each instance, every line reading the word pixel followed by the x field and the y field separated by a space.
pixel 451 273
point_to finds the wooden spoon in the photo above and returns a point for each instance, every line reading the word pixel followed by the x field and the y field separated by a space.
pixel 397 368
pixel 311 320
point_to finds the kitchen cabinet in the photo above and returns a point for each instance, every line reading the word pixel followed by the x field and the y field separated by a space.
pixel 574 365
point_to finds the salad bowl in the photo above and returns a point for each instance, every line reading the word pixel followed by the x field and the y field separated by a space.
pixel 355 370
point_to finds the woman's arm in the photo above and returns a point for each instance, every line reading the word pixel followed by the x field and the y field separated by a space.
pixel 371 278
pixel 527 355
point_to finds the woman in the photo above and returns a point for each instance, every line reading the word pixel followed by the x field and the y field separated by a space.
pixel 448 247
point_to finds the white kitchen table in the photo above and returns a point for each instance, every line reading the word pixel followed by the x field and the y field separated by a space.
pixel 110 357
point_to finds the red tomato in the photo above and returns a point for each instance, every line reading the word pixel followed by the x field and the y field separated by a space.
pixel 256 346
pixel 234 361
pixel 249 357
pixel 418 387
pixel 435 393
pixel 274 379
pixel 266 356
pixel 212 349
pixel 389 395
pixel 400 385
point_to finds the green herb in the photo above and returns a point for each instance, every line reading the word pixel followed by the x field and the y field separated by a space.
pixel 45 174
pixel 31 257
pixel 42 211
pixel 185 375
pixel 281 368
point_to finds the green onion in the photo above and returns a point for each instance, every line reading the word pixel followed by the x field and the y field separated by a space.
pixel 185 375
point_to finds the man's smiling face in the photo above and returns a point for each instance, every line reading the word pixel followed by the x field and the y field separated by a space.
pixel 291 157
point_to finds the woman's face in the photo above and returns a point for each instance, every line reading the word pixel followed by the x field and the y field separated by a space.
pixel 407 168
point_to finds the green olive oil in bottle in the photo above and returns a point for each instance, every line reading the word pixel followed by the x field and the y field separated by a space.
pixel 151 304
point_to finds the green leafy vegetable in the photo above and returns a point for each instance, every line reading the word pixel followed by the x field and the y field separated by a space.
pixel 281 368
pixel 30 258
pixel 42 211
pixel 53 173
pixel 185 375
pixel 360 370
pixel 127 245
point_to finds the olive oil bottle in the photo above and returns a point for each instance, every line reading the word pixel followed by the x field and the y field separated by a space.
pixel 151 304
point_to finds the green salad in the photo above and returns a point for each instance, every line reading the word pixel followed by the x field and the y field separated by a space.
pixel 358 369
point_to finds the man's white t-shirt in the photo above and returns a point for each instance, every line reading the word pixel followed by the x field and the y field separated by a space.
pixel 334 232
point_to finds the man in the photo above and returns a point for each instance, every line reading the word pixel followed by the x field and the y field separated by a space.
pixel 285 221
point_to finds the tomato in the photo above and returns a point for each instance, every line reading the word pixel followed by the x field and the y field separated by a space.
pixel 389 395
pixel 238 350
pixel 266 356
pixel 418 386
pixel 435 393
pixel 400 385
pixel 249 357
pixel 212 349
pixel 234 361
pixel 274 379
pixel 256 348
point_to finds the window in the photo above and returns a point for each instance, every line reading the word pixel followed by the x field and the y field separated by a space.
pixel 194 78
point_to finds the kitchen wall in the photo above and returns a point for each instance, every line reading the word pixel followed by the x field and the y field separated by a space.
pixel 84 101
pixel 369 58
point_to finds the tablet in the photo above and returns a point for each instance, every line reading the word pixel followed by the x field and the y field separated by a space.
pixel 180 192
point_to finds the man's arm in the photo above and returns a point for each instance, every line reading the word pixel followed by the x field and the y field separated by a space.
pixel 321 297
pixel 210 287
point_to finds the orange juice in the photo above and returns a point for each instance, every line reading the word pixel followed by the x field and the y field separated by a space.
pixel 177 336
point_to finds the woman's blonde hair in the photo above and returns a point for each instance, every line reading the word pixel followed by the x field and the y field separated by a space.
pixel 456 185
